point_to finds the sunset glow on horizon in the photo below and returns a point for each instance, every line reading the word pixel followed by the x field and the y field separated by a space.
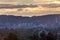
pixel 45 7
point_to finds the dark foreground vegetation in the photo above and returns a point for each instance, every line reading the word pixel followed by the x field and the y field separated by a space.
pixel 41 36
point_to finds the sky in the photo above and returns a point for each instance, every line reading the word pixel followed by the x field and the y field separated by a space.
pixel 29 1
pixel 44 7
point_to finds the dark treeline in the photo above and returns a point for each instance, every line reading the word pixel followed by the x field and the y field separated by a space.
pixel 41 36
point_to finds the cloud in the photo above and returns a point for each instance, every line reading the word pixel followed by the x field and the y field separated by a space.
pixel 58 0
pixel 51 5
pixel 26 1
pixel 18 1
pixel 17 6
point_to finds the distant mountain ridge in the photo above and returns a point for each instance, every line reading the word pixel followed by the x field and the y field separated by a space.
pixel 47 21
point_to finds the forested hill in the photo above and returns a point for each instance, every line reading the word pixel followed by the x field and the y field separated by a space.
pixel 46 21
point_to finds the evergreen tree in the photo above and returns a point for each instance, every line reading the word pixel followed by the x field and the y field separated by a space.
pixel 43 35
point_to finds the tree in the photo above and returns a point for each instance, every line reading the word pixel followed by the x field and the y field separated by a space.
pixel 51 36
pixel 11 36
pixel 34 37
pixel 55 36
pixel 43 35
pixel 4 38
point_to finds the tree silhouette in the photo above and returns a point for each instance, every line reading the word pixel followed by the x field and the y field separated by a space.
pixel 43 35
pixel 55 37
pixel 51 36
pixel 34 37
pixel 11 36
pixel 5 38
